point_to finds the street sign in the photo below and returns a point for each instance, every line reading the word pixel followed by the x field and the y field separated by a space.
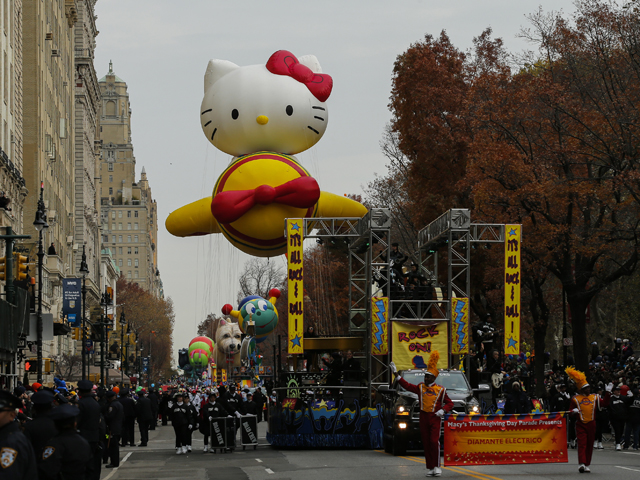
pixel 89 345
pixel 567 342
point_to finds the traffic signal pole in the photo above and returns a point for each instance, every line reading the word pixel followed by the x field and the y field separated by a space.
pixel 9 238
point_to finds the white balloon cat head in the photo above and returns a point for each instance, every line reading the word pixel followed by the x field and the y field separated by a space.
pixel 278 107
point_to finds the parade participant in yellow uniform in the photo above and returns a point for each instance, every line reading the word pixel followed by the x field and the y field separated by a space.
pixel 434 403
pixel 584 405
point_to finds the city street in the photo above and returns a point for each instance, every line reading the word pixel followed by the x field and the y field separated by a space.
pixel 159 460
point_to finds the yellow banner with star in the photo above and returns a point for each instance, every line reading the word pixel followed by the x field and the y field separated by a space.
pixel 512 281
pixel 295 269
pixel 505 439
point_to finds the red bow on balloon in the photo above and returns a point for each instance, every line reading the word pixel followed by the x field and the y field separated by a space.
pixel 228 207
pixel 285 63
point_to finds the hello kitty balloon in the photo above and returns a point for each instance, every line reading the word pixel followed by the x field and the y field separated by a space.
pixel 262 115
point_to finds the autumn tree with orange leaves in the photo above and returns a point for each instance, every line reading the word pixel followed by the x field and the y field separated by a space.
pixel 552 145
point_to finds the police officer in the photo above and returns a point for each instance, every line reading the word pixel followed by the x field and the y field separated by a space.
pixel 90 425
pixel 114 417
pixel 41 429
pixel 180 415
pixel 17 460
pixel 145 417
pixel 68 454
pixel 128 427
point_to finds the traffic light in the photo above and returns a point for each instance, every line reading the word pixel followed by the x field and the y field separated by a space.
pixel 21 266
pixel 75 333
pixel 49 365
pixel 3 268
pixel 31 366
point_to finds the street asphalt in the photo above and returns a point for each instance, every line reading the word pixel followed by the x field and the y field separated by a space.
pixel 159 461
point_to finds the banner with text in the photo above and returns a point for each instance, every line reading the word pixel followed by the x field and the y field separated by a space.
pixel 412 344
pixel 505 439
pixel 296 290
pixel 379 322
pixel 459 326
pixel 72 300
pixel 513 237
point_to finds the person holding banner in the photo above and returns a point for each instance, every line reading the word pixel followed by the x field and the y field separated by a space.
pixel 584 405
pixel 434 403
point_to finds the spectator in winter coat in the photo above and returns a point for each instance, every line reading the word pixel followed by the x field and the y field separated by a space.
pixel 633 421
pixel 517 401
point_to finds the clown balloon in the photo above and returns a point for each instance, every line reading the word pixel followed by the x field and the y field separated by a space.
pixel 263 115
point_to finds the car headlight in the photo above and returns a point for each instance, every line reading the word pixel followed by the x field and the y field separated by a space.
pixel 402 410
pixel 473 407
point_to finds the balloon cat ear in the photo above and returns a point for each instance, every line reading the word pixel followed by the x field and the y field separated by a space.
pixel 216 70
pixel 311 62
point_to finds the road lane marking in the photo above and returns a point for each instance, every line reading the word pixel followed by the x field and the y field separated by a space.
pixel 624 468
pixel 258 460
pixel 116 469
pixel 631 453
pixel 454 469
pixel 269 471
pixel 470 472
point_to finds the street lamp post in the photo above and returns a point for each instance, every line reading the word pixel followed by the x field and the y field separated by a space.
pixel 40 224
pixel 84 270
pixel 103 343
pixel 123 322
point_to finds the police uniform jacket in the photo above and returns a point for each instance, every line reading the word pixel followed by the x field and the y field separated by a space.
pixel 115 417
pixel 39 431
pixel 143 408
pixel 17 460
pixel 89 419
pixel 180 415
pixel 153 398
pixel 65 456
pixel 129 406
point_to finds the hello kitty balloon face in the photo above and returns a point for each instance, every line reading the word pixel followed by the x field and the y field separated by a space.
pixel 278 107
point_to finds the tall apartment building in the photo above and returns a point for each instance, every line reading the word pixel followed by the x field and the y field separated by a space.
pixel 128 211
pixel 87 150
pixel 12 184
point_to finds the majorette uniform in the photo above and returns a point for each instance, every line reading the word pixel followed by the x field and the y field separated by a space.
pixel 586 421
pixel 433 398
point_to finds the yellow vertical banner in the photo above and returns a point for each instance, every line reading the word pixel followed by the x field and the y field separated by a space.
pixel 379 325
pixel 296 290
pixel 512 279
pixel 459 326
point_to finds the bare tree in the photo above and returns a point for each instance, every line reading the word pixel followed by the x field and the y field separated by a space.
pixel 259 276
pixel 68 366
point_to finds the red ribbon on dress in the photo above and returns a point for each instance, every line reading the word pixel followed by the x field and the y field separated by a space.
pixel 229 206
pixel 285 63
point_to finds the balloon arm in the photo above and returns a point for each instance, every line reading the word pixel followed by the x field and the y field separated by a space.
pixel 335 206
pixel 193 219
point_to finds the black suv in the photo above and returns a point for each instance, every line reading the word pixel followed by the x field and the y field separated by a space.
pixel 402 408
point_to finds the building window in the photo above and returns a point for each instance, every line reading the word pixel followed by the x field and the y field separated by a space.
pixel 128 262
pixel 128 250
pixel 119 213
pixel 129 239
pixel 135 213
pixel 120 262
pixel 136 262
pixel 110 190
pixel 136 274
pixel 114 238
pixel 136 237
pixel 110 178
pixel 113 214
pixel 129 213
pixel 120 250
pixel 119 238
pixel 135 226
pixel 110 168
pixel 129 226
pixel 129 274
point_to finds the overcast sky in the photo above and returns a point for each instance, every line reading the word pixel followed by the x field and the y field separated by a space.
pixel 161 49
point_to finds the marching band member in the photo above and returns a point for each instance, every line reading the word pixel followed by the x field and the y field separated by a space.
pixel 583 406
pixel 434 403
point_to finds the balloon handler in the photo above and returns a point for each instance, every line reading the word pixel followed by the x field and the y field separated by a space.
pixel 583 406
pixel 434 403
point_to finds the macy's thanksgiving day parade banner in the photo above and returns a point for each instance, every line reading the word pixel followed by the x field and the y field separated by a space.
pixel 505 439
